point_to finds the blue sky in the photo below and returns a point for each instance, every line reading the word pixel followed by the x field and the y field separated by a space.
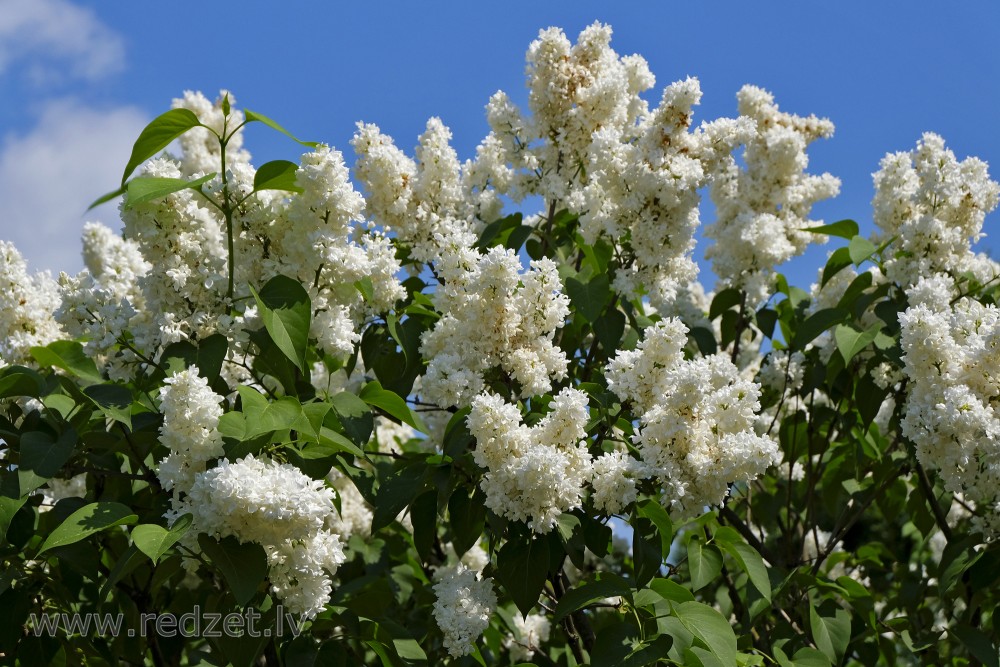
pixel 81 78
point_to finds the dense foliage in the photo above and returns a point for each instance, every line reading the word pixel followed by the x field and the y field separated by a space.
pixel 424 429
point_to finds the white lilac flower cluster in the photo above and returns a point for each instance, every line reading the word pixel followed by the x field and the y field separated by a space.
pixel 696 420
pixel 98 304
pixel 493 315
pixel 277 506
pixel 763 206
pixel 952 364
pixel 56 489
pixel 530 632
pixel 534 473
pixel 932 206
pixel 465 601
pixel 427 201
pixel 592 145
pixel 190 430
pixel 313 235
pixel 26 306
pixel 783 371
pixel 255 500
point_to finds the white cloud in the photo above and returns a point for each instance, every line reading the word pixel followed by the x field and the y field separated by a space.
pixel 54 39
pixel 49 175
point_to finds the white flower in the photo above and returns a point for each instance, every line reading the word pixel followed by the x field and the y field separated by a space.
pixel 763 206
pixel 463 607
pixel 951 357
pixel 191 413
pixel 534 473
pixel 615 474
pixel 492 315
pixel 530 632
pixel 933 206
pixel 697 417
pixel 26 306
pixel 277 506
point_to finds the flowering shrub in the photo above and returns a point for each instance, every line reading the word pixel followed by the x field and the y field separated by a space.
pixel 421 428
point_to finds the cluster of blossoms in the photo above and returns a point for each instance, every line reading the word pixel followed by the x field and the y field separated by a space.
pixel 191 412
pixel 255 500
pixel 590 145
pixel 530 632
pixel 696 420
pixel 279 507
pixel 535 473
pixel 952 363
pixel 465 602
pixel 492 315
pixel 762 207
pixel 98 304
pixel 428 201
pixel 932 208
pixel 26 306
pixel 169 280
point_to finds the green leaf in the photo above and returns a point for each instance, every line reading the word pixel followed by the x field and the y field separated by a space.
pixel 69 356
pixel 704 628
pixel 816 324
pixel 252 117
pixel 86 521
pixel 287 313
pixel 244 566
pixel 850 341
pixel 21 381
pixel 671 590
pixel 466 518
pixel 609 329
pixel 354 417
pixel 704 562
pixel 653 510
pixel 748 559
pixel 522 570
pixel 42 457
pixel 395 494
pixel 105 198
pixel 147 188
pixel 8 508
pixel 647 551
pixel 601 585
pixel 517 237
pixel 857 287
pixel 499 232
pixel 979 644
pixel 845 229
pixel 310 421
pixel 832 634
pixel 704 338
pixel 809 657
pixel 723 301
pixel 839 260
pixel 591 297
pixel 154 540
pixel 276 175
pixel 272 361
pixel 114 400
pixel 212 352
pixel 126 563
pixel 766 319
pixel 264 416
pixel 860 249
pixel 423 517
pixel 337 443
pixel 390 403
pixel 157 135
